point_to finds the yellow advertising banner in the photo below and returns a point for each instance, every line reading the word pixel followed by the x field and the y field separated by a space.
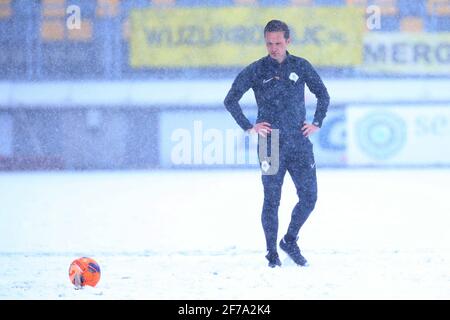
pixel 407 53
pixel 233 36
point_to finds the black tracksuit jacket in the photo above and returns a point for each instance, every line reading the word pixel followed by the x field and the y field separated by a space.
pixel 279 90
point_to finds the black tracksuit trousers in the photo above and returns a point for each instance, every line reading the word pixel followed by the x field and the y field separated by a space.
pixel 297 158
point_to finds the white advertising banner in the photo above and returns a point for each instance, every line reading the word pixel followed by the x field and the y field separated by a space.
pixel 212 138
pixel 205 139
pixel 398 135
pixel 407 53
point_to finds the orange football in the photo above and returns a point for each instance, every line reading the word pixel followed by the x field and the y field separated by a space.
pixel 84 272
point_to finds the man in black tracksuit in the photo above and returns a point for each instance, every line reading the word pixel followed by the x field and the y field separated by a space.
pixel 278 81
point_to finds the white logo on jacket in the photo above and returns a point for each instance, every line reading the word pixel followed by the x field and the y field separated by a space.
pixel 293 76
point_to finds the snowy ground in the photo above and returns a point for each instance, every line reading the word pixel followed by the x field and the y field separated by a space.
pixel 197 235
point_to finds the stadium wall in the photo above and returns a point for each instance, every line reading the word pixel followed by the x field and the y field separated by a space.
pixel 183 124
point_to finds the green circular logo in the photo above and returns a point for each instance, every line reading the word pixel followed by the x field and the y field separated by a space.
pixel 381 135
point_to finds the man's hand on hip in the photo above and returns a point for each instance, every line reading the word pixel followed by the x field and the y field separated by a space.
pixel 309 129
pixel 262 128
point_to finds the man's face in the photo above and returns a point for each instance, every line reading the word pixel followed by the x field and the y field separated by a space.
pixel 276 45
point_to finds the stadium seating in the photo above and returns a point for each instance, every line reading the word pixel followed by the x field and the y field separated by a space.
pixel 5 9
pixel 50 49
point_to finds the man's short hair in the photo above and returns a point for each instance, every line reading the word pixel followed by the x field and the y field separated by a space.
pixel 277 26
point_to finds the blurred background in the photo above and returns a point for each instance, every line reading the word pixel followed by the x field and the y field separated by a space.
pixel 106 84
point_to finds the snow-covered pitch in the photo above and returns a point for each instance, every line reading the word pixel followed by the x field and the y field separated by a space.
pixel 375 234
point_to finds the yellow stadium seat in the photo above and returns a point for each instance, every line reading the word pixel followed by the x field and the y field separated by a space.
pixel 126 30
pixel 357 3
pixel 5 9
pixel 53 8
pixel 245 2
pixel 388 7
pixel 52 30
pixel 438 7
pixel 108 8
pixel 163 2
pixel 5 13
pixel 302 2
pixel 411 24
pixel 82 34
